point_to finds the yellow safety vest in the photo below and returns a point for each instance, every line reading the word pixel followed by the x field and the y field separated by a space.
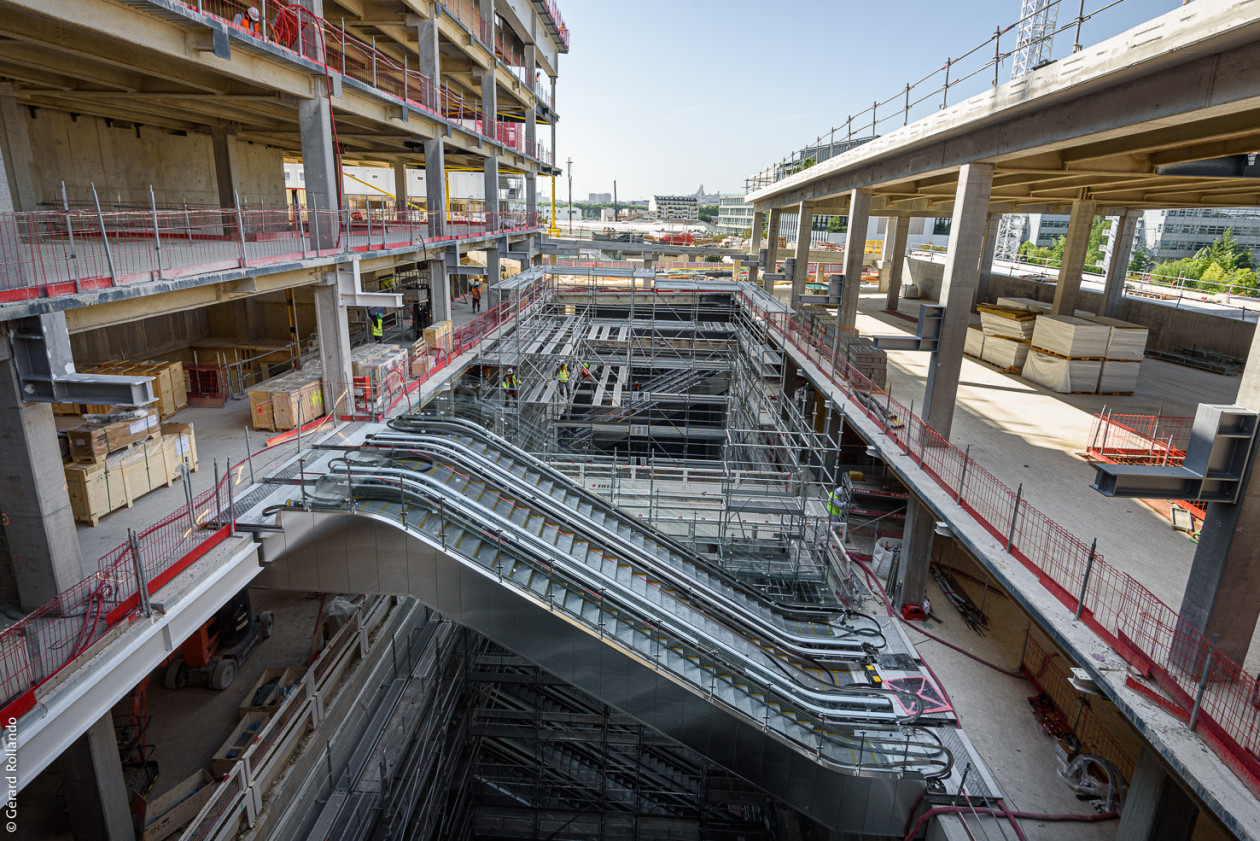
pixel 563 376
pixel 378 324
pixel 832 505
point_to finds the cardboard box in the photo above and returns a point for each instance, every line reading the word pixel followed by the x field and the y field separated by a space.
pixel 271 689
pixel 101 435
pixel 234 748
pixel 172 811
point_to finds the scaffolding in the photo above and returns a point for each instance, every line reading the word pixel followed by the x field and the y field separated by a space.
pixel 676 412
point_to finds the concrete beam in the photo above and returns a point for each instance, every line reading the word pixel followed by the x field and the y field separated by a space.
pixel 1068 290
pixel 962 269
pixel 854 257
pixel 1118 265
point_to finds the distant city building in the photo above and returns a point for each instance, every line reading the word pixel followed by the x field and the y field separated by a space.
pixel 675 208
pixel 1174 234
pixel 735 216
pixel 606 214
pixel 703 198
pixel 600 198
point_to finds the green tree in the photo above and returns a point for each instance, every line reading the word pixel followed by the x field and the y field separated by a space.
pixel 1094 252
pixel 708 213
pixel 838 225
pixel 1142 259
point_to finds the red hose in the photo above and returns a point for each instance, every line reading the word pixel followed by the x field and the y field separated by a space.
pixel 1027 816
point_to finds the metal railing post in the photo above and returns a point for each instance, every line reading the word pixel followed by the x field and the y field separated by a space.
pixel 302 478
pixel 962 480
pixel 187 224
pixel 945 90
pixel 1080 21
pixel 240 229
pixel 1203 680
pixel 218 505
pixel 109 253
pixel 1089 569
pixel 72 256
pixel 249 455
pixel 231 495
pixel 142 584
pixel 157 235
pixel 997 53
pixel 1010 534
pixel 188 494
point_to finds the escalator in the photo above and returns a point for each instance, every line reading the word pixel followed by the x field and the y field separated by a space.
pixel 494 539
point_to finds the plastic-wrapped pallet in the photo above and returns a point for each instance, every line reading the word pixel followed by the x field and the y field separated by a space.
pixel 1007 321
pixel 1118 376
pixel 1062 375
pixel 1067 335
pixel 1030 304
pixel 1005 353
pixel 380 372
pixel 974 343
pixel 1127 340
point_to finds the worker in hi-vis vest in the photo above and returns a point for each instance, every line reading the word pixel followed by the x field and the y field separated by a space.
pixel 377 322
pixel 510 385
pixel 562 377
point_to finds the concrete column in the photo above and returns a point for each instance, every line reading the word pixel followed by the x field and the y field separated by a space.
pixel 15 148
pixel 490 101
pixel 754 247
pixel 43 546
pixel 1155 808
pixel 531 194
pixel 895 257
pixel 439 290
pixel 1118 265
pixel 772 241
pixel 804 229
pixel 916 553
pixel 92 781
pixel 1225 575
pixel 531 114
pixel 226 170
pixel 333 327
pixel 400 186
pixel 648 262
pixel 986 260
pixel 319 163
pixel 1068 290
pixel 962 265
pixel 854 254
pixel 430 55
pixel 494 263
pixel 490 186
pixel 435 187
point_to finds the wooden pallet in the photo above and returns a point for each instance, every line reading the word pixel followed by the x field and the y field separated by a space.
pixel 1069 358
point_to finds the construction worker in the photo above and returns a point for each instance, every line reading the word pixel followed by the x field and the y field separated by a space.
pixel 585 373
pixel 510 386
pixel 376 320
pixel 387 283
pixel 562 377
pixel 249 21
pixel 475 293
pixel 836 506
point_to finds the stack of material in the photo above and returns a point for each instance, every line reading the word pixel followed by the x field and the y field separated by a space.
pixel 1126 345
pixel 100 435
pixel 435 335
pixel 1007 322
pixel 860 352
pixel 1030 304
pixel 1070 337
pixel 287 401
pixel 169 386
pixel 1005 353
pixel 1126 342
pixel 419 358
pixel 1066 376
pixel 380 372
pixel 122 477
pixel 974 343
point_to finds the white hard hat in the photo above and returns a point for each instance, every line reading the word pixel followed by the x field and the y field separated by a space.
pixel 253 12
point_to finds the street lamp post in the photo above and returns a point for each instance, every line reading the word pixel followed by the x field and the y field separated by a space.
pixel 570 197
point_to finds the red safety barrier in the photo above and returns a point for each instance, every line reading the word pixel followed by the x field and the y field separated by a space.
pixel 50 253
pixel 1128 616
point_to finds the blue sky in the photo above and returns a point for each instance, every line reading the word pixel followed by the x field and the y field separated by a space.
pixel 664 95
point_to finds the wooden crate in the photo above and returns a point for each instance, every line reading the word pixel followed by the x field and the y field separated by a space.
pixel 101 435
pixel 258 700
pixel 226 757
pixel 122 478
pixel 434 333
pixel 286 401
pixel 184 441
pixel 172 811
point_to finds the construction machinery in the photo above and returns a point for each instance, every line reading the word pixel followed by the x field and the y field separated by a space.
pixel 213 655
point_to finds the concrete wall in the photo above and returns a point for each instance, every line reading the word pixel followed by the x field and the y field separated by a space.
pixel 1170 327
pixel 123 162
pixel 147 338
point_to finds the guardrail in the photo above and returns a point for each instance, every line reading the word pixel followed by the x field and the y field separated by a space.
pixel 982 63
pixel 1140 627
pixel 50 638
pixel 58 252
pixel 294 29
